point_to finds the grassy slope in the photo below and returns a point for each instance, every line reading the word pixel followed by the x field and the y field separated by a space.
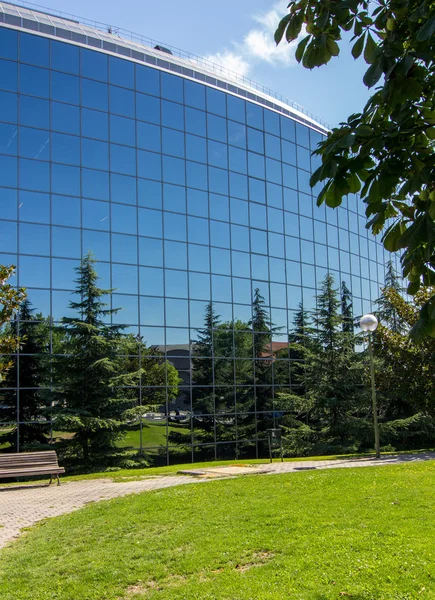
pixel 365 534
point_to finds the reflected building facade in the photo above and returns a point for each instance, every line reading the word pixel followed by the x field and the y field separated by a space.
pixel 192 191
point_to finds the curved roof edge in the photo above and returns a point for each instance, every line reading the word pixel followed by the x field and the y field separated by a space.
pixel 126 44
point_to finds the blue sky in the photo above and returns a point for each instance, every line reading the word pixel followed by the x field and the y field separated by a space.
pixel 238 34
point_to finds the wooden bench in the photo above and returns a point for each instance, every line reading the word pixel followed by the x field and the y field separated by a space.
pixel 28 464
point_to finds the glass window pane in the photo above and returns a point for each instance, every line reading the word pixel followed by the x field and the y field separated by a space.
pixel 9 78
pixel 150 223
pixel 236 109
pixel 197 203
pixel 149 193
pixel 174 170
pixel 147 108
pixel 239 185
pixel 93 64
pixel 98 243
pixel 34 81
pixel 254 115
pixel 122 130
pixel 194 94
pixel 176 255
pixel 95 95
pixel 35 175
pixel 124 248
pixel 236 134
pixel 64 57
pixel 255 140
pixel 65 211
pixel 218 180
pixel 8 203
pixel 216 102
pixel 147 80
pixel 121 101
pixel 8 43
pixel 172 142
pixel 66 242
pixel 34 272
pixel 121 72
pixel 172 87
pixel 174 198
pixel 34 143
pixel 65 118
pixel 9 107
pixel 95 155
pixel 150 281
pixel 124 219
pixel 95 124
pixel 65 88
pixel 8 169
pixel 122 159
pixel 8 139
pixel 148 137
pixel 195 121
pixel 217 154
pixel 271 122
pixel 65 180
pixel 172 115
pixel 96 215
pixel 149 165
pixel 34 112
pixel 34 239
pixel 34 50
pixel 150 252
pixel 288 129
pixel 175 226
pixel 216 128
pixel 63 273
pixel 65 148
pixel 34 206
pixel 95 184
pixel 196 148
pixel 122 189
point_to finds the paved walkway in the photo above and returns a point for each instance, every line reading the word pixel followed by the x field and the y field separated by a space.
pixel 24 505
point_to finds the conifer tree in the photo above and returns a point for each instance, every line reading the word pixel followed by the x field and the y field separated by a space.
pixel 387 311
pixel 90 400
pixel 347 308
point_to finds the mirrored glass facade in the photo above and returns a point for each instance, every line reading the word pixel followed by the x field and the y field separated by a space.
pixel 190 197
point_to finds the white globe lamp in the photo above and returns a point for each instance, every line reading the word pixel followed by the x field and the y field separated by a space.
pixel 368 323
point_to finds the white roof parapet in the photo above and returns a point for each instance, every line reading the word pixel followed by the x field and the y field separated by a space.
pixel 121 38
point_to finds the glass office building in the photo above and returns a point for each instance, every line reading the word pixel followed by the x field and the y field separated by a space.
pixel 191 188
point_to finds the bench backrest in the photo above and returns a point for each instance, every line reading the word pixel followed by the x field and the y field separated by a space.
pixel 15 460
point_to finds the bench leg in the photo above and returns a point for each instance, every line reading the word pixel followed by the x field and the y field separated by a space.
pixel 51 479
pixel 58 479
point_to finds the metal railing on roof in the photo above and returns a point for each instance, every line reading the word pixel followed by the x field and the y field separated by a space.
pixel 108 32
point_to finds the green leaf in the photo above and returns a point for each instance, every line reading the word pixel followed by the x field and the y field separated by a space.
pixel 301 48
pixel 358 47
pixel 370 50
pixel 332 46
pixel 364 131
pixel 426 32
pixel 372 75
pixel 425 326
pixel 282 26
pixel 354 183
pixel 392 237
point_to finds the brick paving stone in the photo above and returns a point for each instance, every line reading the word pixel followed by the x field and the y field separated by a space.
pixel 24 505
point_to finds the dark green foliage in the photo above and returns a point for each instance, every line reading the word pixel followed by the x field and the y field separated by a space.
pixel 29 370
pixel 90 399
pixel 386 152
pixel 329 402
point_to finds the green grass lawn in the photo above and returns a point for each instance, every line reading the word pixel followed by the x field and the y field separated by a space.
pixel 365 534
pixel 153 435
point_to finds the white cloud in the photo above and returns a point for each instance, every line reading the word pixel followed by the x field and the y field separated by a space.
pixel 232 61
pixel 258 45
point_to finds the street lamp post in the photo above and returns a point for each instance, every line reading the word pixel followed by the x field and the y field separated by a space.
pixel 369 324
